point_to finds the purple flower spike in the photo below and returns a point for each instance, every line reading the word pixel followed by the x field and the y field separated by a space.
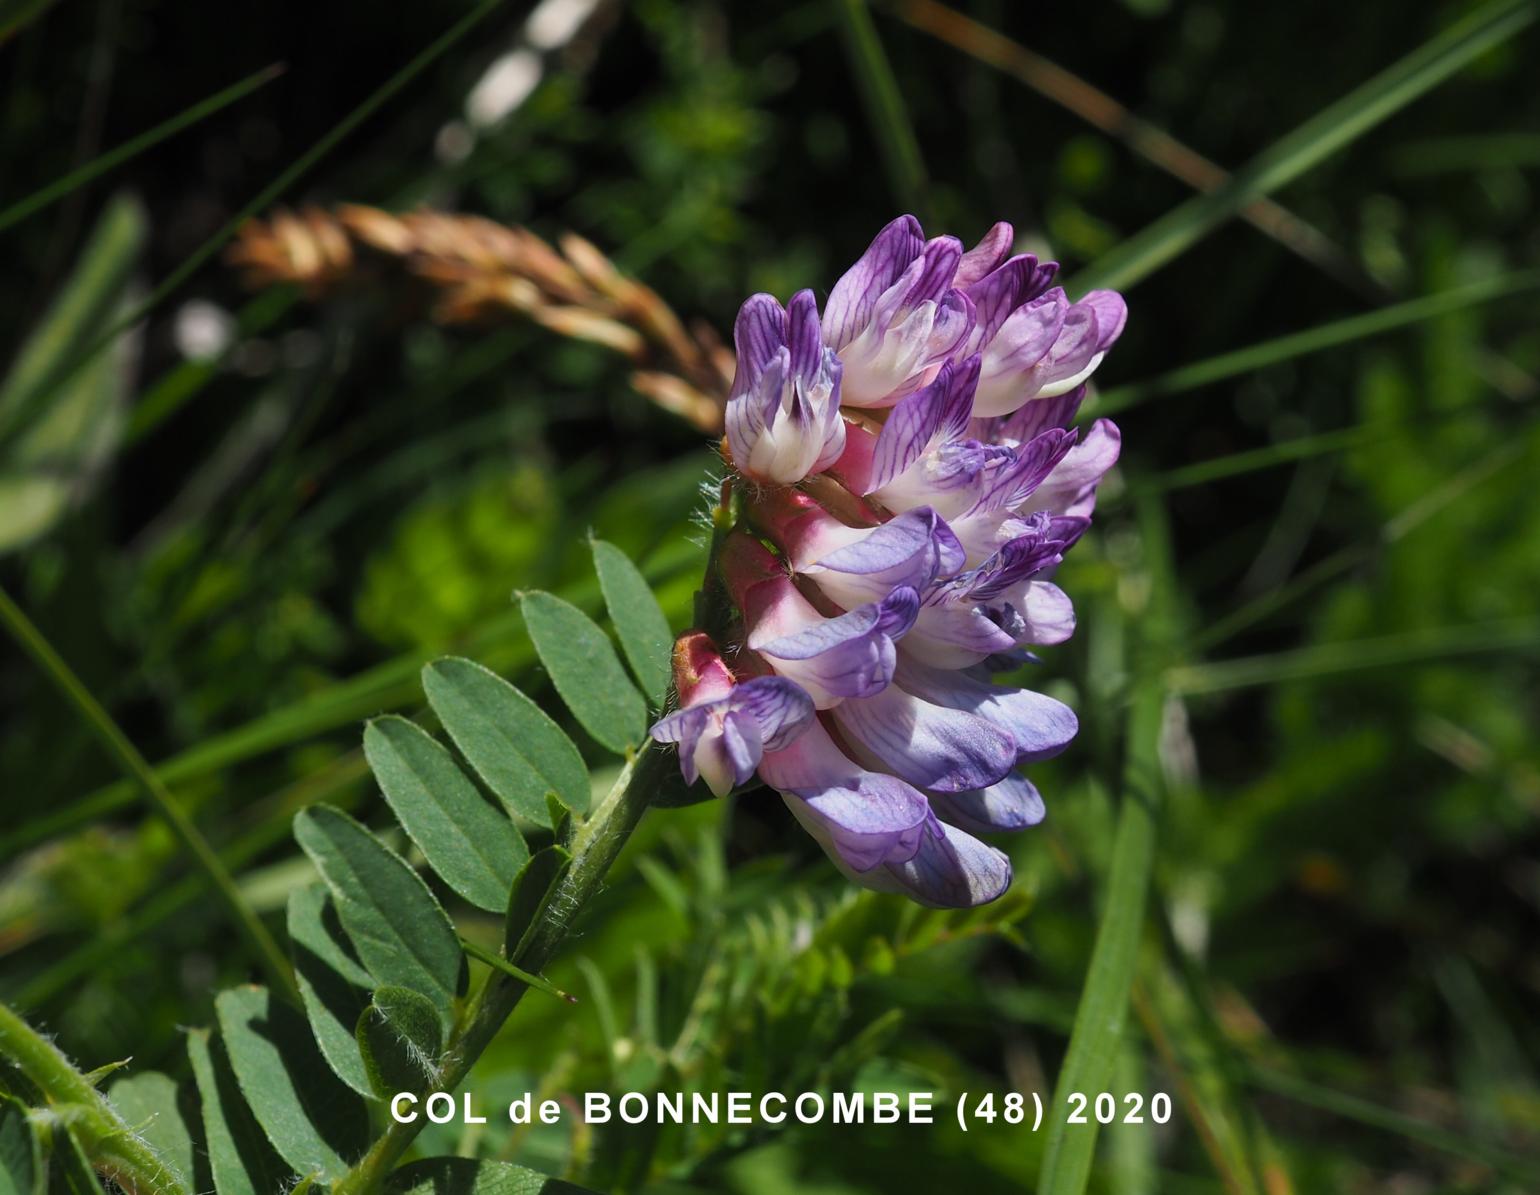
pixel 951 870
pixel 783 418
pixel 723 739
pixel 1012 804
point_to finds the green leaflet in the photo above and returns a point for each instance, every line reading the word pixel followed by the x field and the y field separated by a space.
pixel 21 1156
pixel 148 1103
pixel 471 845
pixel 400 1040
pixel 470 1176
pixel 639 621
pixel 69 1170
pixel 332 982
pixel 399 930
pixel 58 424
pixel 240 1159
pixel 512 744
pixel 314 1122
pixel 586 671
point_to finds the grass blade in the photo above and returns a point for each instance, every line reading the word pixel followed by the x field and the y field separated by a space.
pixel 1331 659
pixel 127 756
pixel 1315 340
pixel 884 103
pixel 1334 127
pixel 135 146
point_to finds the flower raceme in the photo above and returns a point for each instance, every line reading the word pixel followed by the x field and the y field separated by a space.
pixel 912 481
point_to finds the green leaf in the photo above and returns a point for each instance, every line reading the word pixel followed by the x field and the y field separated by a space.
pixel 241 1160
pixel 332 982
pixel 470 844
pixel 314 1122
pixel 58 424
pixel 531 890
pixel 69 1170
pixel 514 746
pixel 1329 130
pixel 21 1155
pixel 470 1176
pixel 586 671
pixel 399 930
pixel 400 1040
pixel 639 620
pixel 149 1104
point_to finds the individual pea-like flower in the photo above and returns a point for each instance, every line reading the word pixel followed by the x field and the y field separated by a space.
pixel 724 727
pixel 913 562
pixel 783 416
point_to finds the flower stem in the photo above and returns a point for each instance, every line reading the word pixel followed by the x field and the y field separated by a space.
pixel 110 1144
pixel 594 848
pixel 133 764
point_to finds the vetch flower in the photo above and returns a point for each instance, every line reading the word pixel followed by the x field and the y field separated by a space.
pixel 724 727
pixel 783 416
pixel 913 562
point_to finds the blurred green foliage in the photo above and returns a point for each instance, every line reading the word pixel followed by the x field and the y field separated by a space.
pixel 1339 978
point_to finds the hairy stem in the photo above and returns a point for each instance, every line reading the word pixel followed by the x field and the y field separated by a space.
pixel 110 1144
pixel 127 756
pixel 594 848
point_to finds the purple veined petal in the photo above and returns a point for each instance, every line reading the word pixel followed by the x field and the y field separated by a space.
pixel 1070 489
pixel 1111 315
pixel 850 304
pixel 941 257
pixel 955 317
pixel 1031 465
pixel 992 249
pixel 803 335
pixel 859 565
pixel 1040 725
pixel 1024 340
pixel 781 709
pixel 955 636
pixel 1034 416
pixel 937 413
pixel 951 870
pixel 848 656
pixel 1002 292
pixel 728 759
pixel 861 828
pixel 1074 356
pixel 1048 613
pixel 758 332
pixel 927 745
pixel 1012 804
pixel 684 727
pixel 892 616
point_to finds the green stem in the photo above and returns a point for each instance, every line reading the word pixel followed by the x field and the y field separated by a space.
pixel 111 1145
pixel 884 103
pixel 594 848
pixel 128 758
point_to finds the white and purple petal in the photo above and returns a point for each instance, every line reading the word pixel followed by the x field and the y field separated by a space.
pixel 930 746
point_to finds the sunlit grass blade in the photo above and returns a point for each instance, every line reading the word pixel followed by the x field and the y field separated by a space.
pixel 1237 464
pixel 1331 129
pixel 1100 1018
pixel 886 113
pixel 1314 340
pixel 135 146
pixel 1332 659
